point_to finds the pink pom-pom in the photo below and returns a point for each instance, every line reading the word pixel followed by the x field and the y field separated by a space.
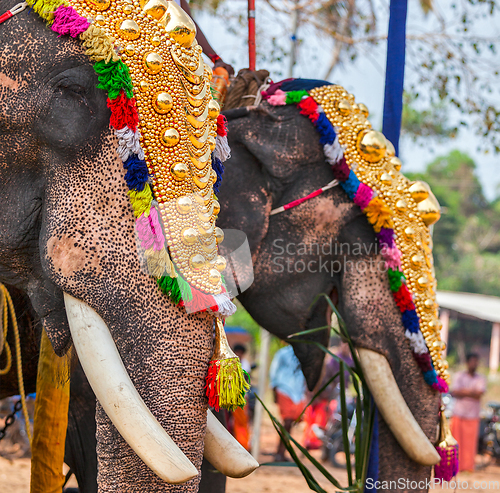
pixel 149 231
pixel 363 196
pixel 278 98
pixel 68 21
pixel 441 385
pixel 392 257
pixel 447 468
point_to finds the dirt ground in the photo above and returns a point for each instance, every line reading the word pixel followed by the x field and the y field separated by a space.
pixel 15 475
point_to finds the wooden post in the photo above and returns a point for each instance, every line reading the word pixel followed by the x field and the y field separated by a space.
pixel 265 341
pixel 494 348
pixel 444 316
pixel 251 34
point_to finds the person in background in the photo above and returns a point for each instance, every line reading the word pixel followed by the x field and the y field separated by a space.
pixel 326 403
pixel 289 387
pixel 467 389
pixel 203 42
pixel 240 351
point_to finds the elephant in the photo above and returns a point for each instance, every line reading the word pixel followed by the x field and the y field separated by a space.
pixel 53 242
pixel 68 248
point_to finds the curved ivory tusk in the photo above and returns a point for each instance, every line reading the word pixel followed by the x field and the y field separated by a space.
pixel 393 408
pixel 119 398
pixel 224 452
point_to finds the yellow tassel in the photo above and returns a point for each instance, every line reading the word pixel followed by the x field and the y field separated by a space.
pixel 226 383
pixel 141 201
pixel 159 263
pixel 46 8
pixel 379 215
pixel 98 44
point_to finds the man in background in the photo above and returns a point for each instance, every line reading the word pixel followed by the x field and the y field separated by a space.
pixel 467 389
pixel 289 386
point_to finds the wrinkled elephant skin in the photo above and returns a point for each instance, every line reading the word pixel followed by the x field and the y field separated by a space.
pixel 66 226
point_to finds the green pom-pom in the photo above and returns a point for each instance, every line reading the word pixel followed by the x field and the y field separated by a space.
pixel 114 77
pixel 395 279
pixel 170 287
pixel 294 97
pixel 185 289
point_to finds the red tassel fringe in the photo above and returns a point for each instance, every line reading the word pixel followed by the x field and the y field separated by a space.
pixel 402 297
pixel 221 126
pixel 447 468
pixel 211 387
pixel 123 112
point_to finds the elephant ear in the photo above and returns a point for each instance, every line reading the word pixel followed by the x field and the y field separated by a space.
pixel 249 209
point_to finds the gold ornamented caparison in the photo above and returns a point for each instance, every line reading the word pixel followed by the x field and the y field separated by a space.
pixel 370 155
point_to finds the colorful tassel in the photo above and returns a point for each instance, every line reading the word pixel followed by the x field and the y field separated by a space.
pixel 68 21
pixel 379 215
pixel 226 384
pixel 218 167
pixel 277 99
pixel 113 77
pixel 123 112
pixel 141 201
pixel 222 150
pixel 447 447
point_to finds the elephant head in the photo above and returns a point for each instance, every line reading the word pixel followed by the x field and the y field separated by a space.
pixel 68 232
pixel 327 245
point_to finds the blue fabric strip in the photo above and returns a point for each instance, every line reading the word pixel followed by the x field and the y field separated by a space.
pixel 395 72
pixel 303 84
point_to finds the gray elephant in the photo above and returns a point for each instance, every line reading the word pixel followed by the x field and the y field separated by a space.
pixel 68 231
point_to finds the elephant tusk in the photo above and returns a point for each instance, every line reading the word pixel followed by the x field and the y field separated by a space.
pixel 394 410
pixel 224 452
pixel 119 398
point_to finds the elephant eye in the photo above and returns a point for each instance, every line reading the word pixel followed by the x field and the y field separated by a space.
pixel 75 91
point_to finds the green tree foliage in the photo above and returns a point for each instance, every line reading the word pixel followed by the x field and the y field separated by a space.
pixel 467 237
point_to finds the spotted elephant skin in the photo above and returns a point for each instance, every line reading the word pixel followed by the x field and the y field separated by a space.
pixel 277 158
pixel 66 226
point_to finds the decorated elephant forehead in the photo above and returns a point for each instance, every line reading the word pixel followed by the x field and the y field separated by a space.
pixel 171 136
pixel 364 164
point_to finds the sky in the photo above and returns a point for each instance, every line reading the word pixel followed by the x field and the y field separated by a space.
pixel 364 78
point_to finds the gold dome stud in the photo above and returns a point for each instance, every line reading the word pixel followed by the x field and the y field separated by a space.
pixel 371 145
pixel 390 150
pixel 156 40
pixel 127 9
pixel 422 282
pixel 179 26
pixel 417 261
pixel 396 162
pixel 401 205
pixel 184 204
pixel 189 236
pixel 162 102
pixel 99 5
pixel 211 142
pixel 155 8
pixel 144 86
pixel 214 276
pixel 128 29
pixel 216 208
pixel 386 178
pixel 179 171
pixel 429 210
pixel 130 49
pixel 219 235
pixel 213 109
pixel 419 191
pixel 364 110
pixel 220 263
pixel 153 62
pixel 170 137
pixel 197 261
pixel 100 20
pixel 344 107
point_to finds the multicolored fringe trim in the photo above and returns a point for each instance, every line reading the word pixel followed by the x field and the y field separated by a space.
pixel 447 448
pixel 114 78
pixel 226 381
pixel 377 213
